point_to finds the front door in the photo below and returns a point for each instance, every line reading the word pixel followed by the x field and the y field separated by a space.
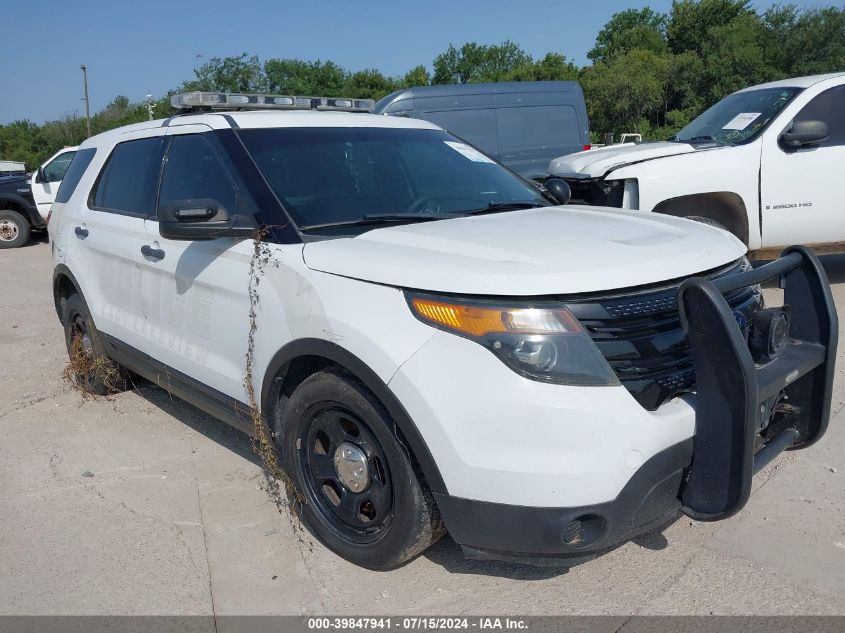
pixel 198 291
pixel 800 189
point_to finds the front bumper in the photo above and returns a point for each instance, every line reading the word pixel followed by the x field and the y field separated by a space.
pixel 507 532
pixel 707 476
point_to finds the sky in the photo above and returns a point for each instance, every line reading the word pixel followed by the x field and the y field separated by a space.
pixel 138 48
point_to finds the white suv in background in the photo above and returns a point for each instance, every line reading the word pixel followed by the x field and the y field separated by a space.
pixel 764 163
pixel 437 343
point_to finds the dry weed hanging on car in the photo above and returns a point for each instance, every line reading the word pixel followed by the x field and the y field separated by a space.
pixel 262 441
pixel 83 370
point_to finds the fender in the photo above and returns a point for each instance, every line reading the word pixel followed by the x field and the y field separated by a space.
pixel 30 211
pixel 337 354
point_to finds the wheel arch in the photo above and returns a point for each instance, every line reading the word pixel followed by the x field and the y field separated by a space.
pixel 24 207
pixel 64 285
pixel 725 207
pixel 301 358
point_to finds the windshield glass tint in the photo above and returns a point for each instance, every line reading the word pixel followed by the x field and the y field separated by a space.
pixel 738 117
pixel 328 175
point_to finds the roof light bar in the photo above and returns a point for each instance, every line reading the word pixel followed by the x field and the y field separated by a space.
pixel 233 101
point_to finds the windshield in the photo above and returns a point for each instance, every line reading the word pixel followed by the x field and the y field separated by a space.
pixel 739 117
pixel 343 176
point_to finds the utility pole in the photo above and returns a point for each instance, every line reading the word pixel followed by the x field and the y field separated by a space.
pixel 197 62
pixel 85 99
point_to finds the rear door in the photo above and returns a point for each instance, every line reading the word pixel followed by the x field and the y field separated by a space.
pixel 44 189
pixel 800 189
pixel 108 233
pixel 198 310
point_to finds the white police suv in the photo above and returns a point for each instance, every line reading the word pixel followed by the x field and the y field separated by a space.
pixel 438 343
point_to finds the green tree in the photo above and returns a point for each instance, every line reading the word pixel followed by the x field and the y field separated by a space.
pixel 554 67
pixel 477 62
pixel 628 92
pixel 370 84
pixel 297 77
pixel 630 29
pixel 417 76
pixel 229 74
pixel 805 42
pixel 690 21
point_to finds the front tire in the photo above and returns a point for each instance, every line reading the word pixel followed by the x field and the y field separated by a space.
pixel 14 229
pixel 89 367
pixel 360 492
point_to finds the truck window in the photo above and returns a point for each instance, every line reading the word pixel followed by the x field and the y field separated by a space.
pixel 828 107
pixel 55 170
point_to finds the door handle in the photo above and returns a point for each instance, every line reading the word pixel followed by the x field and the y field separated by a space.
pixel 153 253
pixel 81 232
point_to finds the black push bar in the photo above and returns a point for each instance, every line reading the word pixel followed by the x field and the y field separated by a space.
pixel 733 392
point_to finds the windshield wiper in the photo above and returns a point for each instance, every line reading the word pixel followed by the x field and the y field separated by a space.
pixel 700 139
pixel 496 207
pixel 372 219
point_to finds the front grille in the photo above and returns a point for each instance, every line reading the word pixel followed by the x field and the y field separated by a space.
pixel 597 192
pixel 640 335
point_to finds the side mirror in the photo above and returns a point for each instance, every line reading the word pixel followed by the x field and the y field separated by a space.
pixel 559 189
pixel 40 176
pixel 202 219
pixel 803 133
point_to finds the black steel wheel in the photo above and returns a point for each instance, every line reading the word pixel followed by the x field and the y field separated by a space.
pixel 360 492
pixel 345 465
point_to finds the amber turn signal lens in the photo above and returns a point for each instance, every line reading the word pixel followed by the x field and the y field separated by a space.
pixel 476 320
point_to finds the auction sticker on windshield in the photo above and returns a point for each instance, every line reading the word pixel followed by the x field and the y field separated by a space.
pixel 469 152
pixel 741 121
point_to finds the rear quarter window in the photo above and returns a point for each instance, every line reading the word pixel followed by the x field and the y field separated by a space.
pixel 74 173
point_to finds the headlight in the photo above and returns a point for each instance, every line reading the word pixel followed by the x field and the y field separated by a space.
pixel 543 342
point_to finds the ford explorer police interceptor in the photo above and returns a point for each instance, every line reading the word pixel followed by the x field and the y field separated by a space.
pixel 440 344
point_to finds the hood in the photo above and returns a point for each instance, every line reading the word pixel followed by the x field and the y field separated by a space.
pixel 595 163
pixel 552 250
pixel 12 181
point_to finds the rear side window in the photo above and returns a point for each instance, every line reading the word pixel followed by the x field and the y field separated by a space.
pixel 194 171
pixel 127 182
pixel 74 173
pixel 828 107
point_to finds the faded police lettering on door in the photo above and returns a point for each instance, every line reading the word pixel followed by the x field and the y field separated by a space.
pixel 158 311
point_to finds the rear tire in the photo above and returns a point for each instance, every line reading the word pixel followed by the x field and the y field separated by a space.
pixel 14 229
pixel 90 368
pixel 359 491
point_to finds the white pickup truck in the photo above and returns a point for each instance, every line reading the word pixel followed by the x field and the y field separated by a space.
pixel 764 163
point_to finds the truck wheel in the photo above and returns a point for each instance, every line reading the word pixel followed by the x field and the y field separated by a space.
pixel 359 492
pixel 14 229
pixel 89 367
